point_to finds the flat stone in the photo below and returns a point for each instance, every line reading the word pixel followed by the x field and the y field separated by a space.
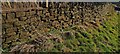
pixel 22 18
pixel 17 23
pixel 9 21
pixel 15 20
pixel 3 22
pixel 8 30
pixel 20 14
pixel 39 13
pixel 11 34
pixel 27 14
pixel 10 15
pixel 55 22
pixel 6 25
pixel 8 40
pixel 47 14
pixel 51 18
pixel 32 12
pixel 4 16
pixel 23 34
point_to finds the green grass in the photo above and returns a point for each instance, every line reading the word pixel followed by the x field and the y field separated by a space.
pixel 102 39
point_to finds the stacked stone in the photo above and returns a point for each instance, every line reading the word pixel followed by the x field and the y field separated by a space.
pixel 21 26
pixel 17 5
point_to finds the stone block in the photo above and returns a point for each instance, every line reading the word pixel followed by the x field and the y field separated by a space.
pixel 51 18
pixel 8 40
pixel 23 34
pixel 9 30
pixel 22 18
pixel 39 13
pixel 15 20
pixel 68 35
pixel 4 16
pixel 32 12
pixel 47 14
pixel 9 20
pixel 10 15
pixel 6 25
pixel 11 34
pixel 3 22
pixel 20 14
pixel 18 23
pixel 27 14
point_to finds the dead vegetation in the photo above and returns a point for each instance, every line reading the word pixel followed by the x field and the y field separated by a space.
pixel 62 26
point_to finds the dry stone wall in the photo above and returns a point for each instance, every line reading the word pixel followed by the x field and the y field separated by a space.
pixel 25 21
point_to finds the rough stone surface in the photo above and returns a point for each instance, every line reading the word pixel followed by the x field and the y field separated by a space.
pixel 20 27
pixel 20 14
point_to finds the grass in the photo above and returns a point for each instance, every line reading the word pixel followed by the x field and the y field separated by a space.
pixel 102 39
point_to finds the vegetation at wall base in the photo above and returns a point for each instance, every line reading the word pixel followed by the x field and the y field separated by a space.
pixel 96 29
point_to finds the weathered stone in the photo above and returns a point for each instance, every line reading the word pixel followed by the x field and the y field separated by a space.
pixel 10 21
pixel 5 45
pixel 26 25
pixel 8 30
pixel 3 21
pixel 9 40
pixel 44 11
pixel 23 34
pixel 61 17
pixel 47 14
pixel 4 16
pixel 27 14
pixel 68 35
pixel 11 34
pixel 27 21
pixel 52 18
pixel 15 20
pixel 20 14
pixel 10 15
pixel 18 23
pixel 32 12
pixel 7 25
pixel 39 13
pixel 33 19
pixel 66 19
pixel 22 18
pixel 65 25
pixel 55 22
